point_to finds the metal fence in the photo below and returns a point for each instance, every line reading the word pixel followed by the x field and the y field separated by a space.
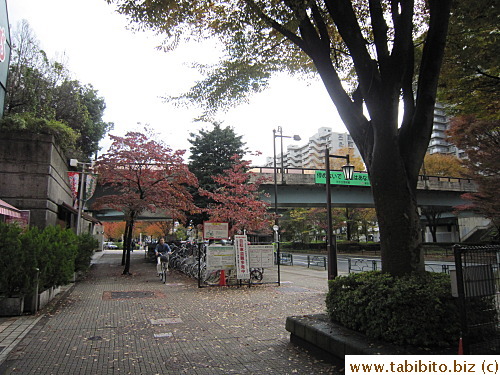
pixel 365 264
pixel 477 287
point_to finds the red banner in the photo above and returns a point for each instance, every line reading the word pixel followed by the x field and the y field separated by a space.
pixel 74 178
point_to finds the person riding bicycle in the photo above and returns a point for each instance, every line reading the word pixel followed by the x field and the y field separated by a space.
pixel 162 249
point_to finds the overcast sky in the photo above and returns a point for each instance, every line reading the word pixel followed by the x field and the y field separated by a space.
pixel 132 76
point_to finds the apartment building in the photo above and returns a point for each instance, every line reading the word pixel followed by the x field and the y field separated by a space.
pixel 312 154
pixel 439 143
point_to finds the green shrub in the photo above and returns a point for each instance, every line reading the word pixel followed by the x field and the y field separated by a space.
pixel 28 122
pixel 63 250
pixel 54 251
pixel 86 246
pixel 416 310
pixel 17 266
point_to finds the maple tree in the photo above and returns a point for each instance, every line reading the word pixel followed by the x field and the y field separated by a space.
pixel 480 138
pixel 236 201
pixel 143 175
pixel 158 229
pixel 114 230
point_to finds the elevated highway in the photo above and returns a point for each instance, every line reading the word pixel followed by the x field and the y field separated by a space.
pixel 305 188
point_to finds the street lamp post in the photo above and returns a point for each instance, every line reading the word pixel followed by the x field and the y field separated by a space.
pixel 81 192
pixel 278 134
pixel 331 246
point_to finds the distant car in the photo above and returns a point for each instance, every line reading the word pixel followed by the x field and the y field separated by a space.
pixel 110 245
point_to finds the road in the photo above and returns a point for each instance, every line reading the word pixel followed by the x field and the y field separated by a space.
pixel 359 264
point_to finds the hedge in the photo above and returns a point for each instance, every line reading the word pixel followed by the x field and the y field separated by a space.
pixel 56 252
pixel 415 310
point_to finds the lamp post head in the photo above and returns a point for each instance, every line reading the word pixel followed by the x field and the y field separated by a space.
pixel 296 138
pixel 348 170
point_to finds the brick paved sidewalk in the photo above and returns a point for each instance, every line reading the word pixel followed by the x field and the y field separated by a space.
pixel 114 324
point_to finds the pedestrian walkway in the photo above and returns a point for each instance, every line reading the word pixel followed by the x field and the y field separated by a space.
pixel 115 324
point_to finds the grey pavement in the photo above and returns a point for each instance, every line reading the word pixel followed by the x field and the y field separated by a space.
pixel 114 324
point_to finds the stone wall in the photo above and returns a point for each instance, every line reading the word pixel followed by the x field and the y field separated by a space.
pixel 33 176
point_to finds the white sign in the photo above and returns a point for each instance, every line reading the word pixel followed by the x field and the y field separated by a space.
pixel 242 258
pixel 215 230
pixel 220 258
pixel 261 256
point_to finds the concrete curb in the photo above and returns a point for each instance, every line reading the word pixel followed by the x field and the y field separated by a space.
pixel 318 333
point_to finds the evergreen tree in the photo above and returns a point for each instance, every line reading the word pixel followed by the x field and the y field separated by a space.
pixel 212 153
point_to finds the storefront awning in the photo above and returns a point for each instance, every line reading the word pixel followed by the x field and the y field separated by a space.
pixel 8 210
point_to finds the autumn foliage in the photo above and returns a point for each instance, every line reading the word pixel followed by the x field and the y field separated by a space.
pixel 237 199
pixel 480 138
pixel 144 175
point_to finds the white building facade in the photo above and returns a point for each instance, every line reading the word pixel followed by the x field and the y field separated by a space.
pixel 312 154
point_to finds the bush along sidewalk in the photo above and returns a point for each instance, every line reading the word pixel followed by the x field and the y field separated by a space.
pixel 35 262
pixel 416 310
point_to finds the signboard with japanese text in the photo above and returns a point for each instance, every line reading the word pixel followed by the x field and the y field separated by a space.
pixel 242 257
pixel 261 256
pixel 337 178
pixel 220 258
pixel 215 231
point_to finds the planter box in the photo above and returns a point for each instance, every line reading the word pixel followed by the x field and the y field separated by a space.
pixel 44 298
pixel 35 302
pixel 11 306
pixel 55 291
pixel 31 303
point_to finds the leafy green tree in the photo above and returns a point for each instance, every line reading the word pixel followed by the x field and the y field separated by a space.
pixel 296 225
pixel 469 84
pixel 367 221
pixel 470 78
pixel 42 89
pixel 373 43
pixel 211 153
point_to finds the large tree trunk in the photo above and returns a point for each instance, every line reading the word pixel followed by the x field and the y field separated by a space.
pixel 399 222
pixel 128 242
pixel 392 150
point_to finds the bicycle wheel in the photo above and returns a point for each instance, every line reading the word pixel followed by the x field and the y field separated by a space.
pixel 164 268
pixel 256 275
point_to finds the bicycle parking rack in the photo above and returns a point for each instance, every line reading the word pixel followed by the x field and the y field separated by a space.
pixel 259 275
